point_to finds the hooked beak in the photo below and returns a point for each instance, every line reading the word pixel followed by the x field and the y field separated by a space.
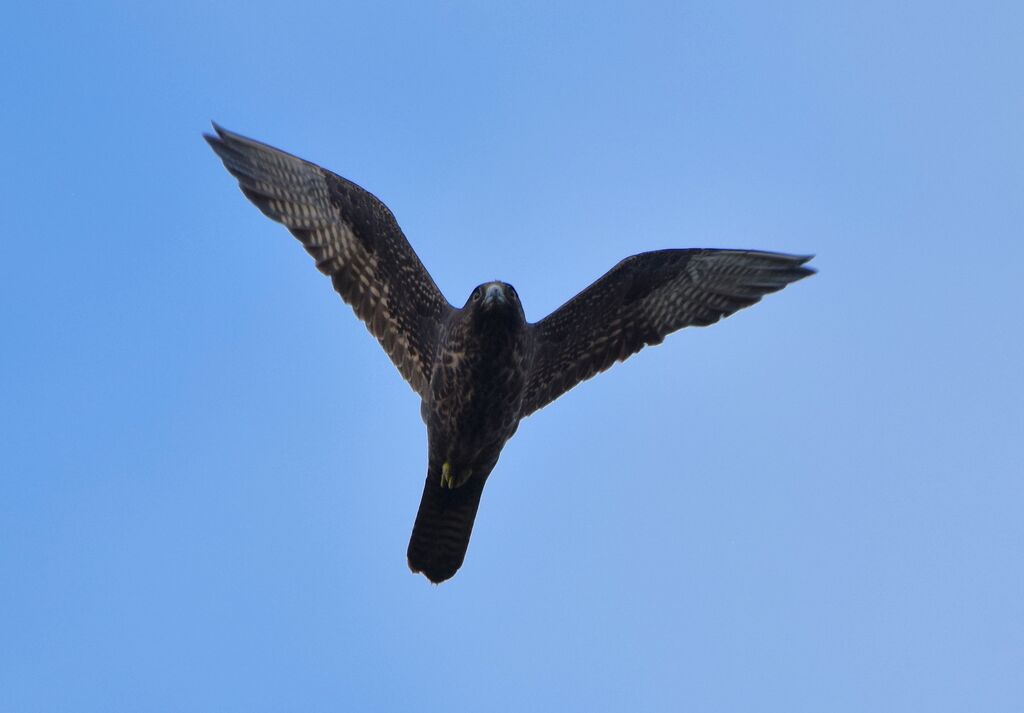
pixel 494 293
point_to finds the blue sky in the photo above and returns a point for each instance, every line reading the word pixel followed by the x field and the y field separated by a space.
pixel 209 470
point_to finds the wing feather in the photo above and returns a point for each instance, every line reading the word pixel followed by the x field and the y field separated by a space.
pixel 642 300
pixel 354 239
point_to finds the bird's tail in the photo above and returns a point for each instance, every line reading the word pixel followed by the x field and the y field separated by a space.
pixel 443 526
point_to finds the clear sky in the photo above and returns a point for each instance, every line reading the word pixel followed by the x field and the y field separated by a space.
pixel 209 470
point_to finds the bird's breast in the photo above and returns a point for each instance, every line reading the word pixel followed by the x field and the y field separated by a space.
pixel 476 390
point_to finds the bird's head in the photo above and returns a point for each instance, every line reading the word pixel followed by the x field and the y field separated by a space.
pixel 495 300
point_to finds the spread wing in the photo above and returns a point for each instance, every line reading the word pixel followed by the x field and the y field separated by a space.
pixel 640 301
pixel 354 239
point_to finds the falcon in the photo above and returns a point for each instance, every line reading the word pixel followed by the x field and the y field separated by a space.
pixel 482 368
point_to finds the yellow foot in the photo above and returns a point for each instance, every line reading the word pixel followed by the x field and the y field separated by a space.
pixel 449 479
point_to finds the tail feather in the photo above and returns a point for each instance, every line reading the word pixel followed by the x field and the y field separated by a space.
pixel 443 526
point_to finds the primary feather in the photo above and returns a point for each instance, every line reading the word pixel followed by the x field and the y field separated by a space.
pixel 480 369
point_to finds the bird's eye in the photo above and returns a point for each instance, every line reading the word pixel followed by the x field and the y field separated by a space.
pixel 476 294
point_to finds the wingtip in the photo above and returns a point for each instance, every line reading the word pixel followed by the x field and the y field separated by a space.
pixel 221 131
pixel 215 139
pixel 798 265
pixel 805 269
pixel 227 136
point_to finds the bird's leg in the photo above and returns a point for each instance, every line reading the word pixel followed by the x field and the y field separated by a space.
pixel 450 479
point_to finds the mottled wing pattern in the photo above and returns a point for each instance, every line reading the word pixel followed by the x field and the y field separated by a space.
pixel 640 301
pixel 354 239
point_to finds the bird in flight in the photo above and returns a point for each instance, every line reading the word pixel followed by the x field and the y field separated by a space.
pixel 481 368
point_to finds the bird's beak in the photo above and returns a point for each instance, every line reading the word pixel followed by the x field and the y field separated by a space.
pixel 494 293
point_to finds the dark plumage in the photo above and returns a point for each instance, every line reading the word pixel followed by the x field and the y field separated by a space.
pixel 482 368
